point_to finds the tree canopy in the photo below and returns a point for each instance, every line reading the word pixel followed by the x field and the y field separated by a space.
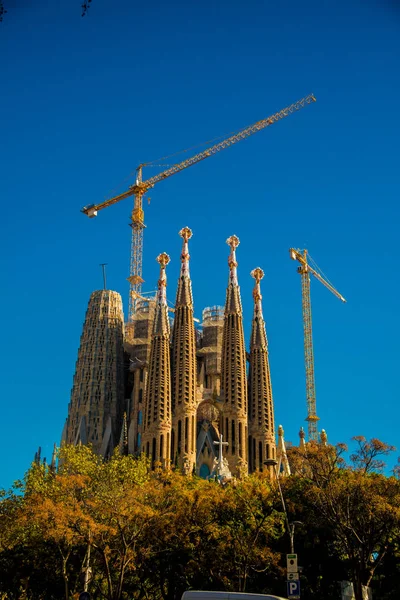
pixel 131 532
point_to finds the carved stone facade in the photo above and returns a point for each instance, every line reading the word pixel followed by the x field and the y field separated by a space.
pixel 185 384
pixel 95 412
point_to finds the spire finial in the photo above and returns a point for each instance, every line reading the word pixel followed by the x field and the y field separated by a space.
pixel 233 241
pixel 257 274
pixel 53 463
pixel 163 259
pixel 280 431
pixel 302 436
pixel 323 437
pixel 186 234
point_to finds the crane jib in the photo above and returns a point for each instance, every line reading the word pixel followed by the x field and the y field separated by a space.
pixel 141 187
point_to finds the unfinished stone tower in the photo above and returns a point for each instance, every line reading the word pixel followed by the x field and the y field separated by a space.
pixel 261 410
pixel 96 408
pixel 234 422
pixel 156 440
pixel 183 437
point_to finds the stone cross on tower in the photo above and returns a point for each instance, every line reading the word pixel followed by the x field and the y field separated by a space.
pixel 220 462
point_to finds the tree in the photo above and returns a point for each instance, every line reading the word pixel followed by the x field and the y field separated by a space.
pixel 357 504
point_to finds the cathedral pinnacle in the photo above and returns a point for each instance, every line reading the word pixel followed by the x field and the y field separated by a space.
pixel 258 334
pixel 161 323
pixel 257 274
pixel 323 438
pixel 184 292
pixel 163 259
pixel 186 234
pixel 233 241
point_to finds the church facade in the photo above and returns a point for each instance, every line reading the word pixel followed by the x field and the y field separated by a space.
pixel 173 390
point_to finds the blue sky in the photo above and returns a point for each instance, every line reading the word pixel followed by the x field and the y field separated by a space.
pixel 85 100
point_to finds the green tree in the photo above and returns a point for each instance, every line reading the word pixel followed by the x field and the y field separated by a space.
pixel 356 504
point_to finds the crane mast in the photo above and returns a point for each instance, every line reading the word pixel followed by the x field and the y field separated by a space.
pixel 139 189
pixel 305 270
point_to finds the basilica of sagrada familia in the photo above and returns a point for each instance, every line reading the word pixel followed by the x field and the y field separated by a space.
pixel 182 393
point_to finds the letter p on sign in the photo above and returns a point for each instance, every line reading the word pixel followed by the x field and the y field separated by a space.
pixel 293 589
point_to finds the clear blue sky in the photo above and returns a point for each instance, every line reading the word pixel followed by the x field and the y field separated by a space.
pixel 85 100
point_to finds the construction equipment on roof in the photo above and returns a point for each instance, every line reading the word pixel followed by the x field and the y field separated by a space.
pixel 305 269
pixel 139 189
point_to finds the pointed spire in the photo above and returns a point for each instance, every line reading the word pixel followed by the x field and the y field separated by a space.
pixel 184 368
pixel 302 435
pixel 323 438
pixel 184 293
pixel 233 301
pixel 37 455
pixel 233 371
pixel 53 464
pixel 283 466
pixel 161 322
pixel 257 274
pixel 258 334
pixel 261 409
pixel 123 439
pixel 157 419
pixel 233 241
pixel 163 260
pixel 186 234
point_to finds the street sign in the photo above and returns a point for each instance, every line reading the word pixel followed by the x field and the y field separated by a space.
pixel 291 563
pixel 293 590
pixel 293 576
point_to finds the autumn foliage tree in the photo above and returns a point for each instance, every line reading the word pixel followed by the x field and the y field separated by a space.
pixel 154 534
pixel 356 504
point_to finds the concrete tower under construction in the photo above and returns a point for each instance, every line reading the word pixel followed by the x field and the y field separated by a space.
pixel 96 408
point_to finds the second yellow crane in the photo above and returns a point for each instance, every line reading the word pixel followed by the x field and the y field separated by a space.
pixel 305 269
pixel 139 189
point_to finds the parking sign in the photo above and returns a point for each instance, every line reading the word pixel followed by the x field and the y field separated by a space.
pixel 293 590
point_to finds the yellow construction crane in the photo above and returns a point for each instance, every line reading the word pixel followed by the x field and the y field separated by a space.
pixel 305 269
pixel 139 189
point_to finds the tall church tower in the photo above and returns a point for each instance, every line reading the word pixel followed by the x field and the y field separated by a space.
pixel 156 440
pixel 183 436
pixel 261 410
pixel 96 408
pixel 233 372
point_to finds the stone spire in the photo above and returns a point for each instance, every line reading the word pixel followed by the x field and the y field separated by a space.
pixel 123 438
pixel 233 372
pixel 261 410
pixel 302 436
pixel 323 437
pixel 53 464
pixel 283 467
pixel 157 421
pixel 183 435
